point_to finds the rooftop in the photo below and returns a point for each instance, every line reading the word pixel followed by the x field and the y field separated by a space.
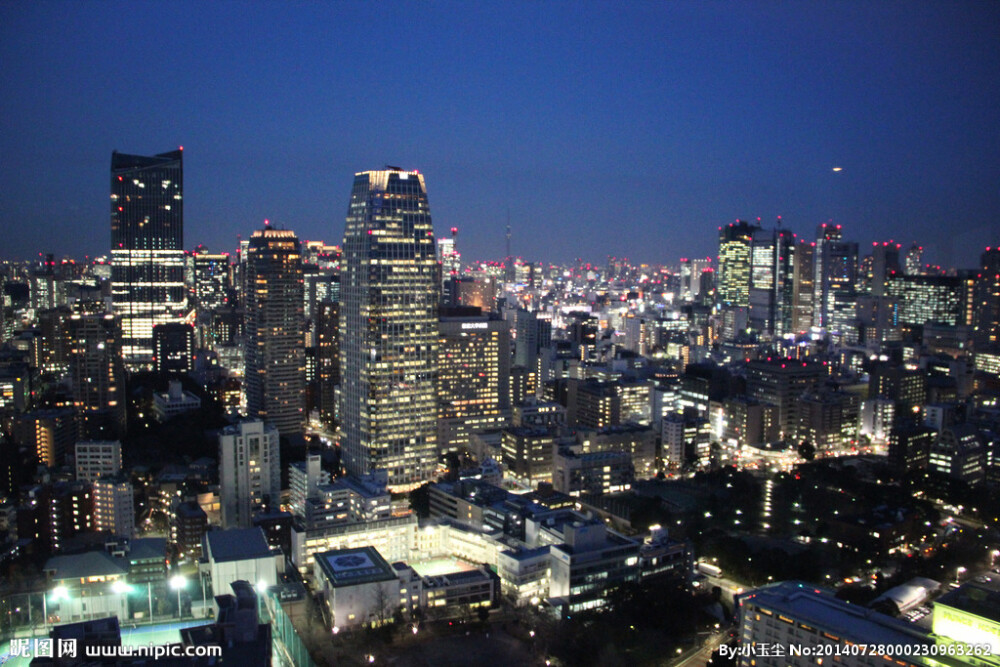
pixel 239 544
pixel 351 567
pixel 87 564
pixel 980 596
pixel 148 548
pixel 821 609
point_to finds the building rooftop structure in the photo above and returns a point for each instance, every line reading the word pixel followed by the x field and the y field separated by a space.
pixel 818 608
pixel 237 544
pixel 85 566
pixel 350 567
pixel 980 596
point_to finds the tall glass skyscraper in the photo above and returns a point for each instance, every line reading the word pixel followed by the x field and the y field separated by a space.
pixel 275 342
pixel 735 244
pixel 147 255
pixel 389 340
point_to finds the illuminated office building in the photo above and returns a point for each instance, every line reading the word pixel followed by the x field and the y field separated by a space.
pixel 389 337
pixel 914 260
pixel 275 346
pixel 211 280
pixel 772 273
pixel 473 377
pixel 803 291
pixel 782 382
pixel 147 236
pixel 733 281
pixel 922 299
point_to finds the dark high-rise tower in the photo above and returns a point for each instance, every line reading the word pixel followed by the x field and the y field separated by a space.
pixel 836 267
pixel 389 335
pixel 986 307
pixel 147 240
pixel 275 345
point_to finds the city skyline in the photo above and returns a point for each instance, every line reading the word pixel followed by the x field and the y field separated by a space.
pixel 662 123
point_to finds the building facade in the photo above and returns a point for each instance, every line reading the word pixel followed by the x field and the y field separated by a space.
pixel 275 346
pixel 389 337
pixel 147 255
pixel 249 471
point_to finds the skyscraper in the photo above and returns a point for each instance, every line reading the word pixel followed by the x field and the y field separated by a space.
pixel 885 262
pixel 389 335
pixel 147 237
pixel 96 375
pixel 735 242
pixel 473 375
pixel 275 346
pixel 802 286
pixel 836 270
pixel 986 307
pixel 772 281
pixel 914 260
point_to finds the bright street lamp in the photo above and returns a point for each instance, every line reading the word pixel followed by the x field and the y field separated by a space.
pixel 58 593
pixel 178 583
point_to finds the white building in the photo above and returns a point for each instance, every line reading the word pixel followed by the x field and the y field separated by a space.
pixel 97 458
pixel 114 508
pixel 249 471
pixel 361 588
pixel 86 586
pixel 174 402
pixel 796 614
pixel 304 479
pixel 349 500
pixel 589 561
pixel 243 554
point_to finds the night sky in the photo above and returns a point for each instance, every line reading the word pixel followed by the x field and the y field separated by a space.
pixel 632 131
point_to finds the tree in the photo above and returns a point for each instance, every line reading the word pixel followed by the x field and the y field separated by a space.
pixel 382 604
pixel 420 501
pixel 807 450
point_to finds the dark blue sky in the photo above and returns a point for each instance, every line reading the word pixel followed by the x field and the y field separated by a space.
pixel 633 130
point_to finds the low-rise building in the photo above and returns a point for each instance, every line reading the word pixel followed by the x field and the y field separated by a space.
pixel 239 554
pixel 524 574
pixel 796 614
pixel 358 586
pixel 96 458
pixel 174 402
pixel 636 440
pixel 594 473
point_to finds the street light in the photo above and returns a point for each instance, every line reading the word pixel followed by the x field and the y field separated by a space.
pixel 261 590
pixel 59 593
pixel 178 582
